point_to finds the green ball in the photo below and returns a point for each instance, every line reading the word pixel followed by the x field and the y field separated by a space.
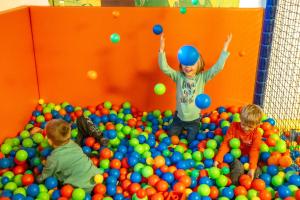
pixel 16 141
pixel 126 130
pixel 6 148
pixel 128 117
pixel 236 153
pixel 138 167
pixel 10 186
pixel 51 105
pixel 36 161
pixel 134 142
pixel 147 154
pixel 43 188
pixel 195 2
pixel 20 190
pixel 195 173
pixel 281 146
pixel 197 156
pixel 121 115
pixel 168 113
pixel 159 89
pixel 21 155
pixel 74 133
pixel 126 105
pixel 86 113
pixel 182 10
pixel 179 149
pixel 225 123
pixel 162 136
pixel 241 197
pixel 65 104
pixel 104 164
pixel 218 138
pixel 115 38
pixel 204 190
pixel 40 119
pixel 46 110
pixel 225 170
pixel 156 113
pixel 43 196
pixel 252 193
pixel 139 148
pixel 107 104
pixel 107 198
pixel 212 144
pixel 214 172
pixel 187 155
pixel 115 142
pixel 264 147
pixel 223 198
pixel 209 153
pixel 222 181
pixel 27 142
pixel 119 127
pixel 24 134
pixel 78 194
pixel 166 152
pixel 277 180
pixel 146 147
pixel 235 143
pixel 18 179
pixel 147 171
pixel 293 189
pixel 38 137
pixel 9 175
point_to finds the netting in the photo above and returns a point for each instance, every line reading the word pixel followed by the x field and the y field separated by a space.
pixel 282 94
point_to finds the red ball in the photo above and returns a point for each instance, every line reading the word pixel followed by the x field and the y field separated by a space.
pixel 90 141
pixel 134 187
pixel 141 193
pixel 240 190
pixel 62 198
pixel 162 186
pixel 48 116
pixel 95 161
pixel 157 196
pixel 186 180
pixel 19 169
pixel 115 164
pixel 179 187
pixel 179 173
pixel 258 184
pixel 297 194
pixel 96 146
pixel 27 179
pixel 214 192
pixel 78 113
pixel 66 191
pixel 125 163
pixel 265 195
pixel 97 197
pixel 125 184
pixel 100 189
pixel 153 179
pixel 105 153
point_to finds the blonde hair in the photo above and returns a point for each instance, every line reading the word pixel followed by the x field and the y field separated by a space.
pixel 200 65
pixel 251 114
pixel 58 131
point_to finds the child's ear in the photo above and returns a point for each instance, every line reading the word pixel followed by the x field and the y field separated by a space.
pixel 50 142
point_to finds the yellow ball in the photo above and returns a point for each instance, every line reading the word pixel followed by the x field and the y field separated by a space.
pixel 145 113
pixel 98 178
pixel 206 120
pixel 149 161
pixel 188 191
pixel 50 192
pixel 57 107
pixel 255 198
pixel 41 101
pixel 260 130
pixel 246 166
pixel 92 74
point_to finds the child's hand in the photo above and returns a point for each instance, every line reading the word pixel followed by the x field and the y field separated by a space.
pixel 251 173
pixel 216 163
pixel 227 42
pixel 36 130
pixel 162 43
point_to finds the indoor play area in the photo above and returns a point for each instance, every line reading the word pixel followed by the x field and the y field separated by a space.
pixel 103 64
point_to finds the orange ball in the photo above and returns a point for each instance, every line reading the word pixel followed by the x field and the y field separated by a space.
pixel 157 196
pixel 273 160
pixel 134 187
pixel 240 190
pixel 164 168
pixel 285 161
pixel 115 164
pixel 172 169
pixel 179 173
pixel 271 142
pixel 266 126
pixel 162 186
pixel 66 191
pixel 265 195
pixel 297 194
pixel 116 13
pixel 214 192
pixel 153 179
pixel 105 153
pixel 141 193
pixel 224 115
pixel 186 180
pixel 150 191
pixel 175 139
pixel 258 184
pixel 100 189
pixel 179 187
pixel 159 161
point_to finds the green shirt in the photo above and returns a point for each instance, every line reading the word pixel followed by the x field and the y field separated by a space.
pixel 70 165
pixel 188 88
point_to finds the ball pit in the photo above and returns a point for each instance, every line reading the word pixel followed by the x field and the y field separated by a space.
pixel 142 162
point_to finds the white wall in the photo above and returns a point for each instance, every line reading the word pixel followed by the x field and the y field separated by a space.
pixel 252 3
pixel 7 4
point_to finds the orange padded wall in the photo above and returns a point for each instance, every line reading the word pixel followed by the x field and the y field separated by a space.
pixel 69 41
pixel 18 83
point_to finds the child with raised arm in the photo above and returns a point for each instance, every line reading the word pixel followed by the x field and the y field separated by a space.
pixel 190 82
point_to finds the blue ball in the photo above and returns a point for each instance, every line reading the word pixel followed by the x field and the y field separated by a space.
pixel 284 191
pixel 206 180
pixel 18 197
pixel 228 158
pixel 169 177
pixel 136 177
pixel 264 156
pixel 266 178
pixel 6 193
pixel 228 192
pixel 176 157
pixel 208 163
pixel 114 173
pixel 55 195
pixel 111 190
pixel 118 197
pixel 51 183
pixel 86 149
pixel 272 170
pixel 87 196
pixel 4 163
pixel 4 180
pixel 111 180
pixel 202 101
pixel 194 196
pixel 244 159
pixel 157 29
pixel 295 180
pixel 33 190
pixel 188 55
pixel 221 109
pixel 118 155
pixel 111 134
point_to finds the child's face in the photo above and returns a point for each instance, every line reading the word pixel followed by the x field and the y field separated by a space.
pixel 247 127
pixel 190 71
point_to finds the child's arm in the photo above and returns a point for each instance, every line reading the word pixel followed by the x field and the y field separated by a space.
pixel 216 68
pixel 254 154
pixel 162 61
pixel 224 148
pixel 48 169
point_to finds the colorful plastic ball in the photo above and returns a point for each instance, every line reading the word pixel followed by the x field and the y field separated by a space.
pixel 194 196
pixel 157 29
pixel 159 89
pixel 147 171
pixel 272 170
pixel 212 144
pixel 284 191
pixel 209 153
pixel 266 178
pixel 188 55
pixel 236 153
pixel 21 155
pixel 228 158
pixel 221 181
pixel 33 190
pixel 78 194
pixel 235 143
pixel 277 180
pixel 182 10
pixel 225 170
pixel 136 177
pixel 228 192
pixel 92 74
pixel 115 38
pixel 203 190
pixel 6 148
pixel 294 180
pixel 252 193
pixel 10 186
pixel 214 172
pixel 18 197
pixel 195 2
pixel 241 197
pixel 169 177
pixel 51 183
pixel 27 179
pixel 202 101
